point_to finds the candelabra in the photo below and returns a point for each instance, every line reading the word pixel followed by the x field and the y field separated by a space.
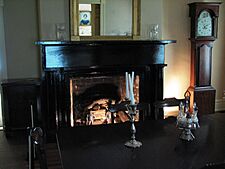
pixel 187 121
pixel 132 111
pixel 129 107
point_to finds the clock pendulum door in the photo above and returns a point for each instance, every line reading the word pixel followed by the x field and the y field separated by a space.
pixel 204 24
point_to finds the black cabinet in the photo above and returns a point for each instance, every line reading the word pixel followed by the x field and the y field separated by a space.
pixel 17 97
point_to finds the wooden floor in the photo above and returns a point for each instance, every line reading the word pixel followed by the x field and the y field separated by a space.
pixel 13 152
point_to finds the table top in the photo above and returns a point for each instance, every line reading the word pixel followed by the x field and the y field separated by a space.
pixel 102 147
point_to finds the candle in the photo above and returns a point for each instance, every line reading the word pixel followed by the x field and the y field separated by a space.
pixel 32 115
pixel 29 149
pixel 132 78
pixel 127 86
pixel 131 90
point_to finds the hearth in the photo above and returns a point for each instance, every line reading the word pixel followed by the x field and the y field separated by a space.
pixel 77 70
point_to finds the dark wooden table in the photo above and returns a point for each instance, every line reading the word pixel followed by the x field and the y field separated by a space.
pixel 102 147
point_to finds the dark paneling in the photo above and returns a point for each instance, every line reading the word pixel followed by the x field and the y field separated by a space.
pixel 205 99
pixel 92 54
pixel 18 95
pixel 204 65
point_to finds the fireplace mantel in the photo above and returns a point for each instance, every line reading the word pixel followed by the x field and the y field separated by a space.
pixel 83 54
pixel 50 42
pixel 62 60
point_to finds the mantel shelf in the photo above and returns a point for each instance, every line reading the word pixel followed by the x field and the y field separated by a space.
pixel 77 54
pixel 106 42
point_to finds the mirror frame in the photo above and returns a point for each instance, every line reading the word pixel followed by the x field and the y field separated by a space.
pixel 74 24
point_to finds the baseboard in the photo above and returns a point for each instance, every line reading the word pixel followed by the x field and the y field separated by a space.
pixel 220 105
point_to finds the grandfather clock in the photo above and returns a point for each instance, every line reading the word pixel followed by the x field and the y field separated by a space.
pixel 204 24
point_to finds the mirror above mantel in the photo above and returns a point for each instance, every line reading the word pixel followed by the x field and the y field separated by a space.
pixel 104 19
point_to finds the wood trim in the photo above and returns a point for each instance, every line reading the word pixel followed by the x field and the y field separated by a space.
pixel 93 19
pixel 136 18
pixel 74 33
pixel 106 37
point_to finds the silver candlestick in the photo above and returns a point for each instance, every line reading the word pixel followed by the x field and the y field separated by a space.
pixel 132 111
pixel 187 121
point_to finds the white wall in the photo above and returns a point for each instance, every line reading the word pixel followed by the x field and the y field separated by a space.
pixel 117 17
pixel 21 33
pixel 218 62
pixel 53 12
pixel 151 13
pixel 176 26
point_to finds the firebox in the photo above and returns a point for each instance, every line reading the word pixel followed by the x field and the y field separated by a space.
pixel 90 98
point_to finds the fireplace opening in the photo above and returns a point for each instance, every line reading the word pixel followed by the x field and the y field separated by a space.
pixel 91 96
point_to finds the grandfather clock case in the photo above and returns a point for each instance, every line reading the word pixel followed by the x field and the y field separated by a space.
pixel 204 26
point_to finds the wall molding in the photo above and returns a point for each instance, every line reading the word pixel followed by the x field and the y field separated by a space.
pixel 220 105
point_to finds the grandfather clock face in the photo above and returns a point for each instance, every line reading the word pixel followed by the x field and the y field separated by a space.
pixel 204 24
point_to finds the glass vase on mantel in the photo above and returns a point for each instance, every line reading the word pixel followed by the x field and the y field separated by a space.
pixel 154 32
pixel 60 31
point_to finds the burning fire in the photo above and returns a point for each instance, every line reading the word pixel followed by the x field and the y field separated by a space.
pixel 97 112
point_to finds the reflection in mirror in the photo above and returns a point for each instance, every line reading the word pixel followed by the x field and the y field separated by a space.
pixel 85 20
pixel 98 19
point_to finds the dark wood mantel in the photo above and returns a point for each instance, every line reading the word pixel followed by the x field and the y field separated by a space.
pixel 81 54
pixel 63 60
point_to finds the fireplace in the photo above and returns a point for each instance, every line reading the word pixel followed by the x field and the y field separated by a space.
pixel 81 78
